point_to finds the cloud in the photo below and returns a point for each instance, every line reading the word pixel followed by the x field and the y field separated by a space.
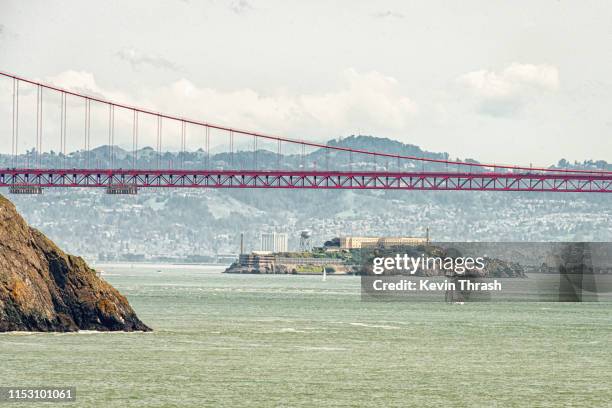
pixel 82 82
pixel 503 93
pixel 241 6
pixel 364 102
pixel 370 103
pixel 388 14
pixel 366 98
pixel 137 58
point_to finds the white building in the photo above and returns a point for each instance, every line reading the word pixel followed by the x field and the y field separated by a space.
pixel 274 242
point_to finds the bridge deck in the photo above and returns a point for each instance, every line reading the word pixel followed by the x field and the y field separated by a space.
pixel 142 178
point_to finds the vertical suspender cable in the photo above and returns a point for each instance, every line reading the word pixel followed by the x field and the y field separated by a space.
pixel 37 120
pixel 255 152
pixel 157 143
pixel 39 149
pixel 137 131
pixel 207 147
pixel 110 136
pixel 134 138
pixel 60 158
pixel 180 156
pixel 113 149
pixel 13 125
pixel 231 137
pixel 87 157
pixel 65 127
pixel 85 161
pixel 35 158
pixel 183 143
pixel 89 132
pixel 159 133
pixel 16 122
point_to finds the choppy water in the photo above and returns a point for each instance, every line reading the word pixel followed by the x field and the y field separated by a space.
pixel 249 340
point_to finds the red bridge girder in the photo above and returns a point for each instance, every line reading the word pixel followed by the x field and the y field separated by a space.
pixel 332 180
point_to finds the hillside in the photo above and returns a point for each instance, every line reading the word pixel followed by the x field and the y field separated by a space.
pixel 177 224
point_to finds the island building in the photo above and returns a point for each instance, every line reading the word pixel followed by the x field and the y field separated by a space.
pixel 258 260
pixel 353 242
pixel 274 257
pixel 274 242
pixel 268 262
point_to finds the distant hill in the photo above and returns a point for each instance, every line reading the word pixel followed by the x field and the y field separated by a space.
pixel 147 157
pixel 203 223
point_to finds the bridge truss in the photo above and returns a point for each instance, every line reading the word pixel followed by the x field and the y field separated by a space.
pixel 330 180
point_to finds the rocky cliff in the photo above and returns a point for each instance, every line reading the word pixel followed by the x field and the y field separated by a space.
pixel 44 289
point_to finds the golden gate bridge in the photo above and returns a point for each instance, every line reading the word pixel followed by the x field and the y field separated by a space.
pixel 398 172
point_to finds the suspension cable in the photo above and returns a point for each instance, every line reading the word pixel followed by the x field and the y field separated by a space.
pixel 310 144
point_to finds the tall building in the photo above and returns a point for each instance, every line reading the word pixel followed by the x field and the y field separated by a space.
pixel 274 242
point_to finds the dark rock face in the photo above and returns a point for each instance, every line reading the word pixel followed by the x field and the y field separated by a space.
pixel 44 289
pixel 496 268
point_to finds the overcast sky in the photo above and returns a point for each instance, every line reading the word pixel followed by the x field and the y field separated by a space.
pixel 513 82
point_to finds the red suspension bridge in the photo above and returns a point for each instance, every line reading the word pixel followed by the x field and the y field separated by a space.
pixel 325 167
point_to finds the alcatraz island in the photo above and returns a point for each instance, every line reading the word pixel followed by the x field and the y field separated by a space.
pixel 349 255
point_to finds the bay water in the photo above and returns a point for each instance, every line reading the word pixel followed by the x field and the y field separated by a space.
pixel 287 340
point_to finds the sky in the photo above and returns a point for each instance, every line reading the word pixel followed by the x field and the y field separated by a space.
pixel 498 81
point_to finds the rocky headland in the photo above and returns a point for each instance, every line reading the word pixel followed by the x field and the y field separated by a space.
pixel 44 289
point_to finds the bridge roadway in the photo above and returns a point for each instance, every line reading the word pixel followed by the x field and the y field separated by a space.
pixel 306 179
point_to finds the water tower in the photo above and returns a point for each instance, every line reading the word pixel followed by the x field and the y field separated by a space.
pixel 305 240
